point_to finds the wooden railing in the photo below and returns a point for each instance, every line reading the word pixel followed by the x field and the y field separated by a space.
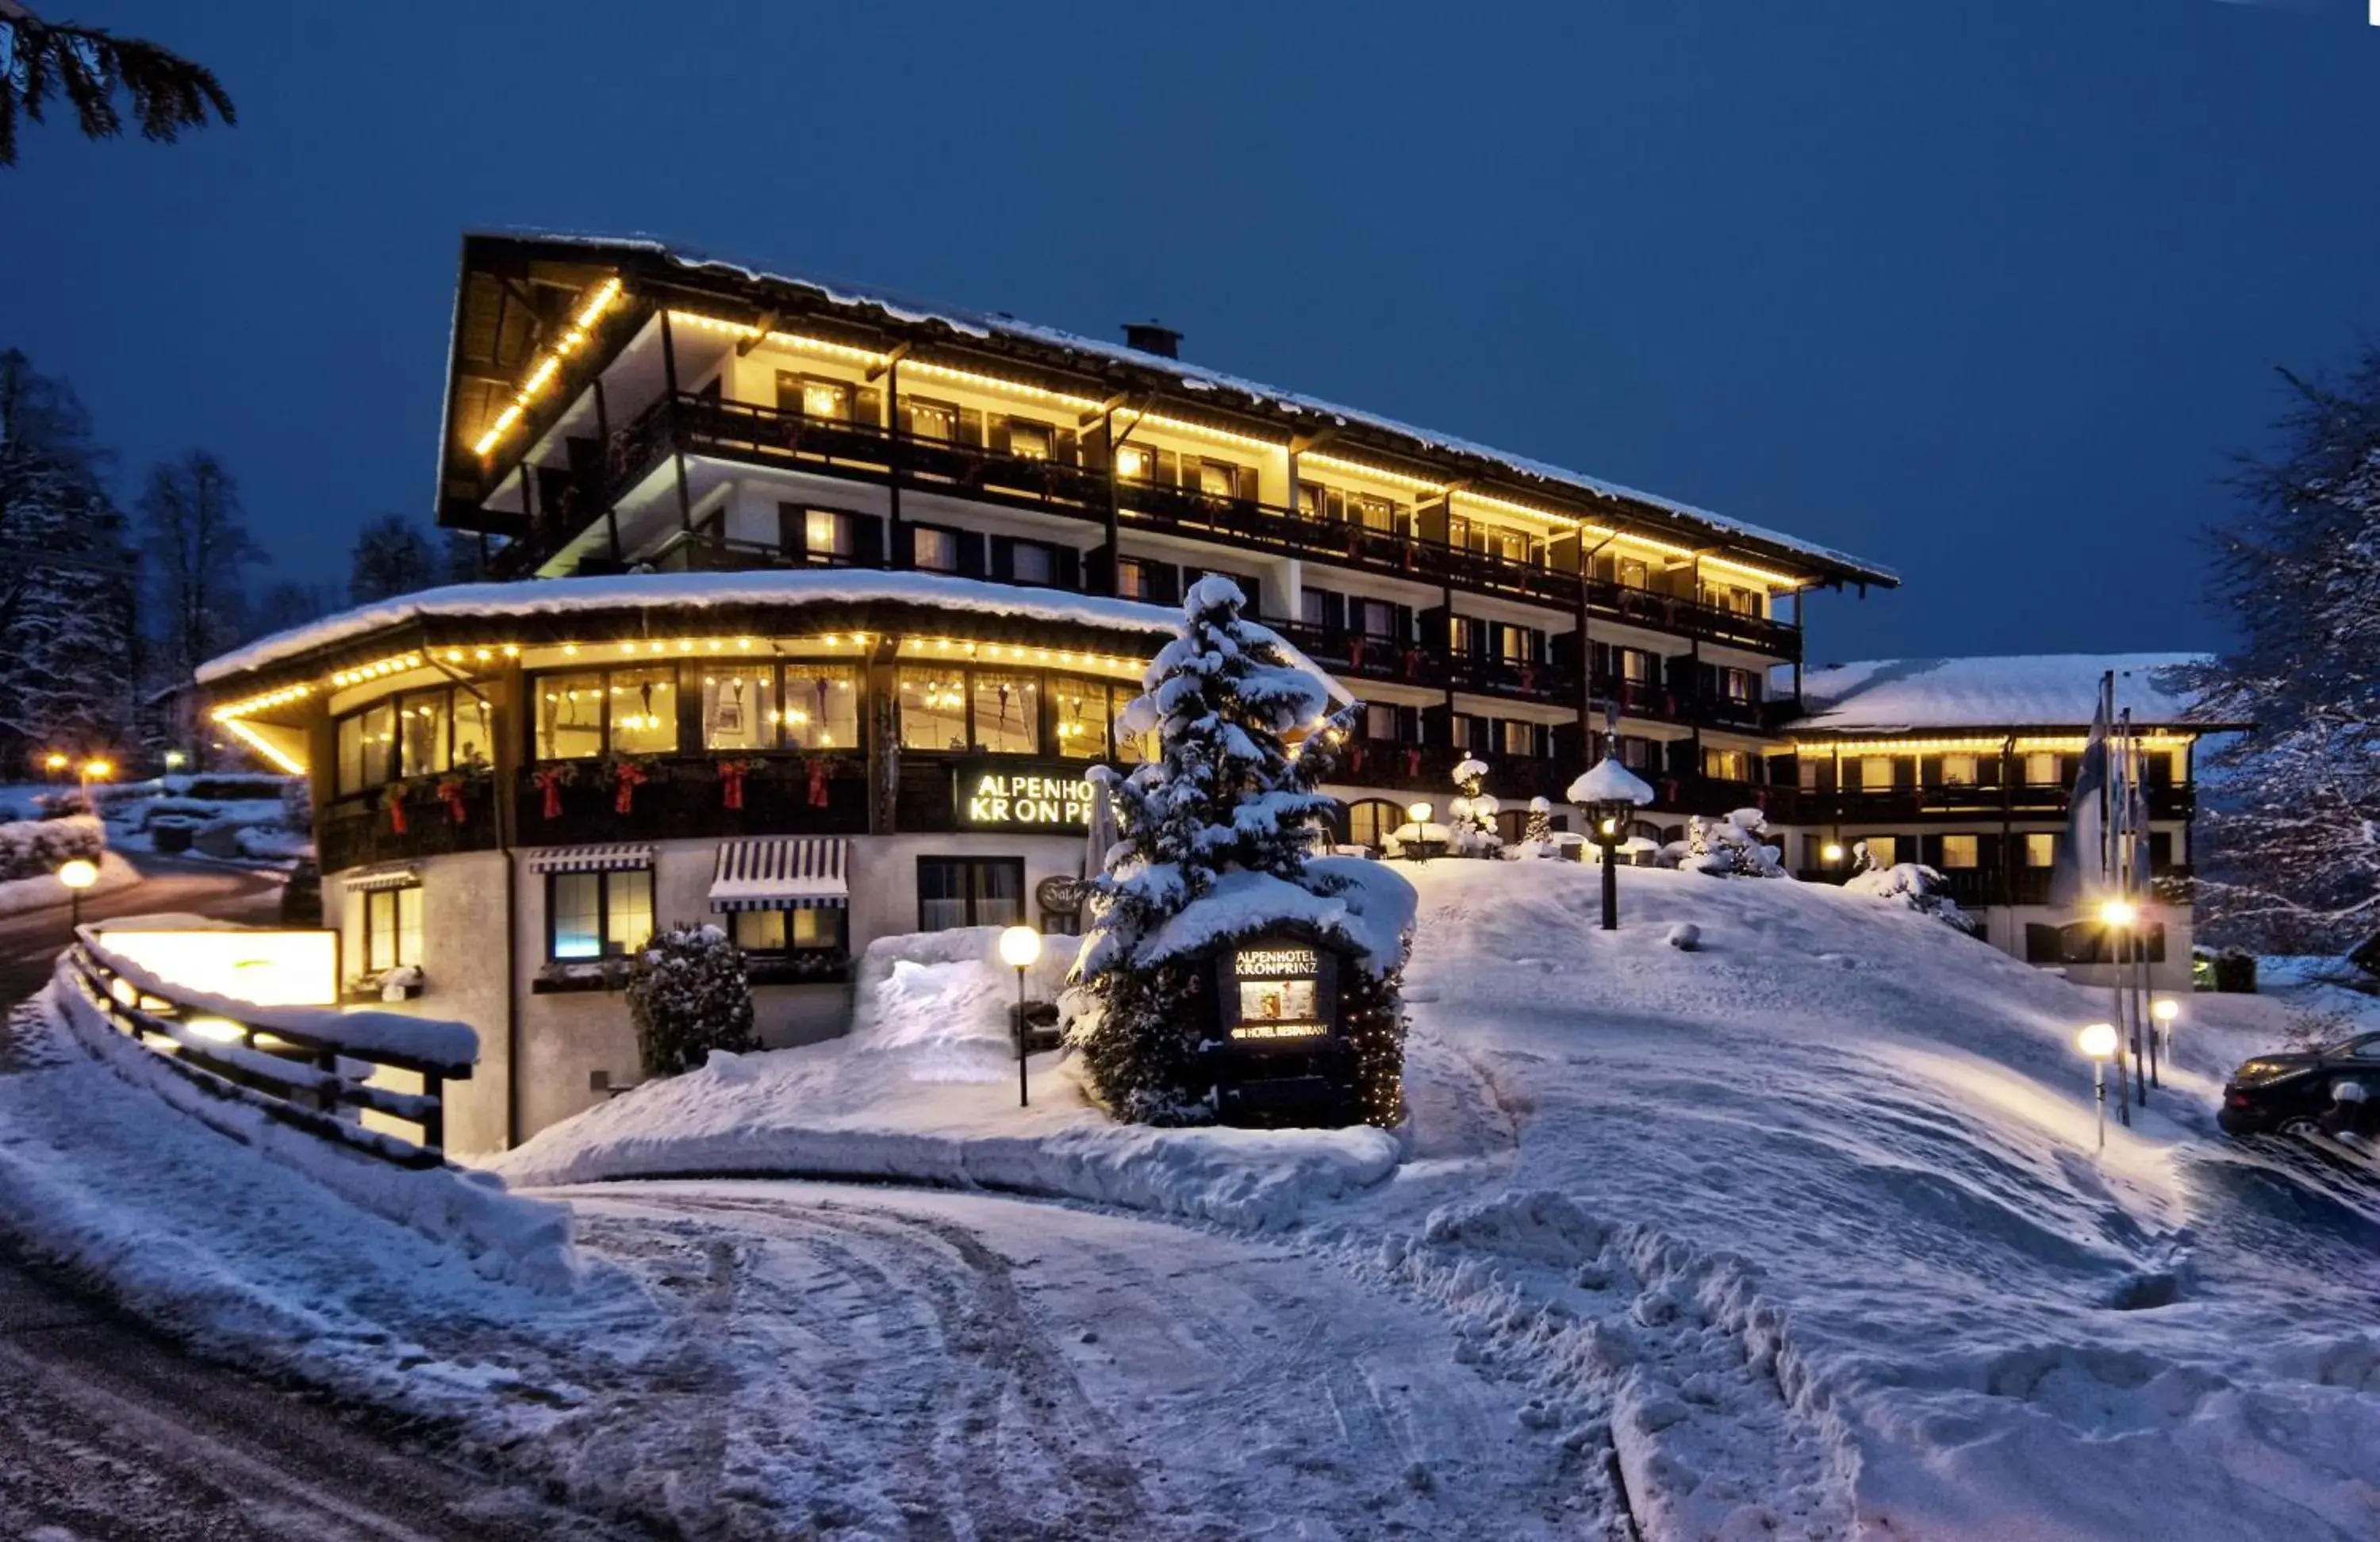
pixel 310 1068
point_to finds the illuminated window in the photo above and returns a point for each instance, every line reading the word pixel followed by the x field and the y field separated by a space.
pixel 367 748
pixel 825 398
pixel 1311 500
pixel 644 711
pixel 1377 513
pixel 475 729
pixel 1879 850
pixel 1129 746
pixel 826 533
pixel 1379 721
pixel 932 420
pixel 935 551
pixel 2040 849
pixel 739 709
pixel 933 709
pixel 1132 579
pixel 1876 773
pixel 1518 738
pixel 1634 574
pixel 1219 479
pixel 1007 713
pixel 1960 851
pixel 1636 666
pixel 1805 773
pixel 1133 463
pixel 1079 713
pixel 392 928
pixel 421 733
pixel 1727 765
pixel 570 716
pixel 822 707
pixel 780 932
pixel 598 914
pixel 1958 771
pixel 1028 441
pixel 969 891
pixel 2041 771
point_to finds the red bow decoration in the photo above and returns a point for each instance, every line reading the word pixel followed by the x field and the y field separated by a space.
pixel 1355 759
pixel 450 788
pixel 550 781
pixel 1529 677
pixel 394 801
pixel 731 782
pixel 816 766
pixel 628 777
pixel 1413 762
pixel 1356 654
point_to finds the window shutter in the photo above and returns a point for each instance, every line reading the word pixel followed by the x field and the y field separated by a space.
pixel 1003 558
pixel 867 540
pixel 789 391
pixel 1248 480
pixel 867 407
pixel 971 553
pixel 1334 609
pixel 1409 724
pixel 909 424
pixel 1168 469
pixel 1063 448
pixel 793 529
pixel 970 426
pixel 997 426
pixel 1068 569
pixel 1164 582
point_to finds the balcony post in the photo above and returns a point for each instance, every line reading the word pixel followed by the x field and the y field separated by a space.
pixel 897 553
pixel 677 436
pixel 603 465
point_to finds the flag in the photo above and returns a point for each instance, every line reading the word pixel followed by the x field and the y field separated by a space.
pixel 2081 870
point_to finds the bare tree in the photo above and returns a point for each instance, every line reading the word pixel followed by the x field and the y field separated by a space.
pixel 89 65
pixel 190 523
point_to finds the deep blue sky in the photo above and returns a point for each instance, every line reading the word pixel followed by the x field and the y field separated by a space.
pixel 1988 292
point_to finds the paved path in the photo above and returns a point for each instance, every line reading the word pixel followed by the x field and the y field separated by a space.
pixel 31 940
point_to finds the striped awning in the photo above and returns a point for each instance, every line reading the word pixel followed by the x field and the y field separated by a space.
pixel 787 873
pixel 365 880
pixel 590 860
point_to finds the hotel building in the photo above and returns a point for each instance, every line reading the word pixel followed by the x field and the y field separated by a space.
pixel 821 601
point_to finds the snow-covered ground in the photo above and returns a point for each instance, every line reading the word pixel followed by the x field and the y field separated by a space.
pixel 20 895
pixel 1798 1233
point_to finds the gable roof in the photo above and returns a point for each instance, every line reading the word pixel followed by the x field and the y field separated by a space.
pixel 2025 691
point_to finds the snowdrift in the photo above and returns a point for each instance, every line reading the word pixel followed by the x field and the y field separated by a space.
pixel 924 1090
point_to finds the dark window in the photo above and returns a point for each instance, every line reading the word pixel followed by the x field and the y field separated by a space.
pixel 1032 562
pixel 391 928
pixel 935 551
pixel 969 891
pixel 598 915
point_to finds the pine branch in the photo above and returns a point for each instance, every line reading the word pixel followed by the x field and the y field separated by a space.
pixel 89 65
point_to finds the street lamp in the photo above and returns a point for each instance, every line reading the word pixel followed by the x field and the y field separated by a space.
pixel 1610 793
pixel 2166 1011
pixel 176 760
pixel 1832 853
pixel 1020 948
pixel 2098 1041
pixel 94 771
pixel 54 762
pixel 77 874
pixel 2119 913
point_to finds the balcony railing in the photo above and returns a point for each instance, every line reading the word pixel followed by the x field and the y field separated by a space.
pixel 768 435
pixel 2025 800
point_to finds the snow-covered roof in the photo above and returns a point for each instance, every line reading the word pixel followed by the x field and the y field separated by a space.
pixel 1193 378
pixel 697 590
pixel 2040 691
pixel 1371 914
pixel 1609 782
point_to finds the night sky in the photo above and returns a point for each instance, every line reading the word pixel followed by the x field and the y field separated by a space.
pixel 1988 292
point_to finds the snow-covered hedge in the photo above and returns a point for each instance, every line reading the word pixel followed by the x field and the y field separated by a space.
pixel 34 848
pixel 1912 886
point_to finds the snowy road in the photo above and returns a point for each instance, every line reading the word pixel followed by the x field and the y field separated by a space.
pixel 919 1364
pixel 106 1433
pixel 31 940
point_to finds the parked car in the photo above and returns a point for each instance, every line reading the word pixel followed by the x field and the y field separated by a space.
pixel 2272 1092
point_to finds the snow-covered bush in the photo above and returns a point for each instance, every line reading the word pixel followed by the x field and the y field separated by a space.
pixel 1214 851
pixel 1912 886
pixel 689 995
pixel 1471 818
pixel 1731 847
pixel 1538 836
pixel 34 848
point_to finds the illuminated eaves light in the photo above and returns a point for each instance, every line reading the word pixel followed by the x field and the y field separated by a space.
pixel 266 748
pixel 549 364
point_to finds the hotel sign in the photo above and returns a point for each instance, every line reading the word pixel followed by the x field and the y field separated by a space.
pixel 1001 799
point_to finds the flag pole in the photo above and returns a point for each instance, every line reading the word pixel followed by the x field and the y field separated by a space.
pixel 2110 871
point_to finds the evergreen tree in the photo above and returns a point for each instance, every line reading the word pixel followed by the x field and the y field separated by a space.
pixel 1538 833
pixel 392 557
pixel 2291 842
pixel 463 563
pixel 88 65
pixel 1224 795
pixel 66 591
pixel 689 994
pixel 197 547
pixel 290 604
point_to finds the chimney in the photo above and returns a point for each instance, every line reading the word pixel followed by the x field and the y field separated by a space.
pixel 1152 337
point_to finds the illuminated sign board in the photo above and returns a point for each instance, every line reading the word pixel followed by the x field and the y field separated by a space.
pixel 1278 994
pixel 1016 800
pixel 264 968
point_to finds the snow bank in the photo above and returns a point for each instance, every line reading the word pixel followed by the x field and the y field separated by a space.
pixel 20 895
pixel 1372 911
pixel 35 848
pixel 942 1002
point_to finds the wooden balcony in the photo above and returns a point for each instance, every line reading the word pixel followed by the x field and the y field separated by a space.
pixel 769 436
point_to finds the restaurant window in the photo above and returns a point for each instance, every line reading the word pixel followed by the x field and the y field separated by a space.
pixel 931 419
pixel 1028 441
pixel 933 709
pixel 1311 503
pixel 392 928
pixel 1080 717
pixel 1133 463
pixel 1007 713
pixel 1130 746
pixel 969 891
pixel 1876 773
pixel 421 723
pixel 598 914
pixel 367 748
pixel 1960 851
pixel 2040 849
pixel 739 708
pixel 644 709
pixel 810 928
pixel 814 396
pixel 1958 771
pixel 821 707
pixel 1219 479
pixel 2041 771
pixel 475 729
pixel 570 716
pixel 935 551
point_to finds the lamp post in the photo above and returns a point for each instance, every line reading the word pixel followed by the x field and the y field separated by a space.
pixel 1610 792
pixel 1019 948
pixel 93 770
pixel 77 874
pixel 54 762
pixel 2118 916
pixel 2166 1011
pixel 2099 1042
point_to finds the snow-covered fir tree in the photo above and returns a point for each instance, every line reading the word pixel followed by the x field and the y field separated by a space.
pixel 1731 847
pixel 1538 836
pixel 2290 838
pixel 68 596
pixel 1471 815
pixel 689 994
pixel 1226 795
